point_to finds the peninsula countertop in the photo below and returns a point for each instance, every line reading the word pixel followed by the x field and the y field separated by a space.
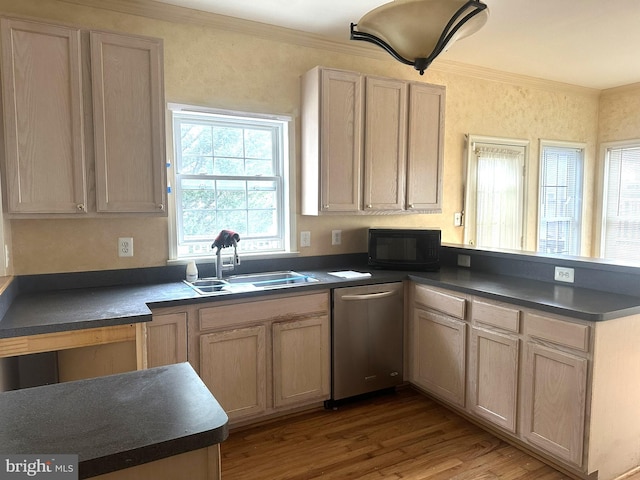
pixel 114 422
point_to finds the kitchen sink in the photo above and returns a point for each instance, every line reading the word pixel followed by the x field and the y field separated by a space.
pixel 207 285
pixel 271 278
pixel 247 282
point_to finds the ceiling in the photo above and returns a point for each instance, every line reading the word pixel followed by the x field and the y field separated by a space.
pixel 590 43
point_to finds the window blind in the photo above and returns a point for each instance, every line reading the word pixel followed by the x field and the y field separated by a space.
pixel 621 225
pixel 560 207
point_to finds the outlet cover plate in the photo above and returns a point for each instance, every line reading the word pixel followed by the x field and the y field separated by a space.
pixel 125 247
pixel 305 239
pixel 563 274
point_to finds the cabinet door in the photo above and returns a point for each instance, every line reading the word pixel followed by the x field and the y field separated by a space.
pixel 43 118
pixel 233 366
pixel 301 361
pixel 493 377
pixel 165 340
pixel 439 355
pixel 554 401
pixel 128 115
pixel 385 144
pixel 425 147
pixel 331 141
pixel 341 141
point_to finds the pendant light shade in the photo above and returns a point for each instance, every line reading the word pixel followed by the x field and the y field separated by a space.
pixel 415 32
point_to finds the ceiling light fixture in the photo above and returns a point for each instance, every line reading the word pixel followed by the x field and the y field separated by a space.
pixel 415 32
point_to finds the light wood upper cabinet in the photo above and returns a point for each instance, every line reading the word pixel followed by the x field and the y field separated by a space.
pixel 50 74
pixel 385 144
pixel 332 141
pixel 425 147
pixel 370 144
pixel 43 118
pixel 128 117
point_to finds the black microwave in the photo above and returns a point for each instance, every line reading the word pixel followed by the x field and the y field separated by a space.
pixel 404 249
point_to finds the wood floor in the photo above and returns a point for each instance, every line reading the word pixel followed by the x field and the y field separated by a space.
pixel 399 436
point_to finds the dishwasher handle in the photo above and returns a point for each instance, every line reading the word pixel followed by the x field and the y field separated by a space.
pixel 369 296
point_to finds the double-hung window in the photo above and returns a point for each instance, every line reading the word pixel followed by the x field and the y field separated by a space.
pixel 620 239
pixel 560 199
pixel 231 172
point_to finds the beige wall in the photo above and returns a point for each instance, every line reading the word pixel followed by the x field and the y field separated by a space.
pixel 218 67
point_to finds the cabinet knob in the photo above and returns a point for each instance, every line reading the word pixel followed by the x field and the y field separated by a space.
pixel 326 207
pixel 411 205
pixel 80 207
pixel 161 207
pixel 369 206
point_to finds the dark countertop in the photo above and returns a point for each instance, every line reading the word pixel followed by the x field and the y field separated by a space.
pixel 579 303
pixel 131 418
pixel 79 308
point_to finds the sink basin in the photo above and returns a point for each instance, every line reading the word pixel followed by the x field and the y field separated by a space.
pixel 207 285
pixel 247 282
pixel 271 278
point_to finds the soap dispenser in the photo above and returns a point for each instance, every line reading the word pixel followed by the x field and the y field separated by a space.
pixel 192 271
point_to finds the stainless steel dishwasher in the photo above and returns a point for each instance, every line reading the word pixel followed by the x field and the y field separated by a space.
pixel 367 339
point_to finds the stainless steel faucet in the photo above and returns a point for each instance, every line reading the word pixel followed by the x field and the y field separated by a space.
pixel 226 238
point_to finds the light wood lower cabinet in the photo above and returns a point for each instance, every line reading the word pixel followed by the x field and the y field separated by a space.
pixel 493 377
pixel 163 341
pixel 554 401
pixel 301 360
pixel 264 356
pixel 526 372
pixel 201 464
pixel 439 346
pixel 233 365
pixel 494 363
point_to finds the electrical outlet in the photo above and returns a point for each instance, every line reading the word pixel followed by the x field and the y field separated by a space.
pixel 563 274
pixel 336 237
pixel 457 219
pixel 464 260
pixel 305 239
pixel 125 247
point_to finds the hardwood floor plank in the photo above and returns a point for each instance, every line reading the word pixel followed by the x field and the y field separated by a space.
pixel 403 436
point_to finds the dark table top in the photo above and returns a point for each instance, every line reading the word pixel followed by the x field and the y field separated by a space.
pixel 114 422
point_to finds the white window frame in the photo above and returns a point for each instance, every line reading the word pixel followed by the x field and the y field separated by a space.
pixel 602 210
pixel 470 190
pixel 580 182
pixel 288 184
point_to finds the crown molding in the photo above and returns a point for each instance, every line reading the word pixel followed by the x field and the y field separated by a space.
pixel 484 73
pixel 632 87
pixel 172 13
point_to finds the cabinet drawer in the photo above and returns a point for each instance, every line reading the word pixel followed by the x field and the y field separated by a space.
pixel 568 334
pixel 496 315
pixel 251 312
pixel 443 302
